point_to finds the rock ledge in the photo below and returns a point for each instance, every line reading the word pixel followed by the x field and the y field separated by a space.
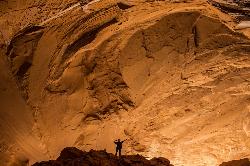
pixel 72 156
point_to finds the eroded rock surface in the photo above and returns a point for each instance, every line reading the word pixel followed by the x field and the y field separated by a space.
pixel 170 76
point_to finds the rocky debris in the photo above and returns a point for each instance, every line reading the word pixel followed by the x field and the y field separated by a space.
pixel 241 162
pixel 73 156
pixel 240 9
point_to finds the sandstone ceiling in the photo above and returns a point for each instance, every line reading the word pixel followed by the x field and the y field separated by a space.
pixel 170 76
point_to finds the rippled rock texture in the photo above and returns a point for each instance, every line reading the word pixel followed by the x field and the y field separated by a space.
pixel 172 77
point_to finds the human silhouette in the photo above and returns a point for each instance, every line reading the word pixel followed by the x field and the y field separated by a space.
pixel 119 146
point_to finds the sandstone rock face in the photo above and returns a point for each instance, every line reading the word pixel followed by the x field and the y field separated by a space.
pixel 73 156
pixel 16 15
pixel 170 76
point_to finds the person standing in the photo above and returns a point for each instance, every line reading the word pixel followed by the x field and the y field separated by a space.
pixel 119 146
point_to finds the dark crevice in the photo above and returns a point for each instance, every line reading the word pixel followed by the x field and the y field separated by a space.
pixel 232 10
pixel 196 36
pixel 30 29
pixel 20 34
pixel 91 116
pixel 9 48
pixel 23 69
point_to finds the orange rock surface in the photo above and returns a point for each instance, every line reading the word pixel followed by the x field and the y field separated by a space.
pixel 170 76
